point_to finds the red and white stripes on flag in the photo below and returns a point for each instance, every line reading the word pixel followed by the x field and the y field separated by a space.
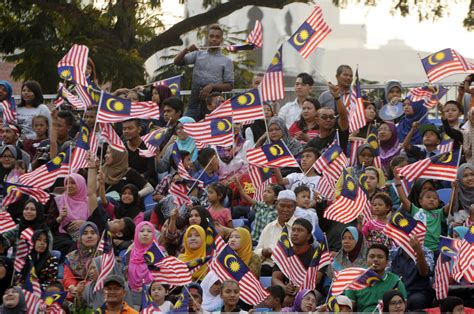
pixel 444 63
pixel 441 277
pixel 14 194
pixel 213 132
pixel 76 57
pixel 24 247
pixel 278 152
pixel 111 137
pixel 464 266
pixel 357 118
pixel 223 111
pixel 180 194
pixel 354 146
pixel 345 278
pixel 326 187
pixel 6 222
pixel 338 211
pixel 72 99
pixel 272 86
pixel 403 240
pixel 256 35
pixel 9 110
pixel 172 272
pixel 32 301
pixel 107 264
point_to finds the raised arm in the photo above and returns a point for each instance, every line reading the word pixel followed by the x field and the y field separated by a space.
pixel 91 184
pixel 179 59
pixel 279 177
pixel 244 195
pixel 407 142
pixel 401 193
pixel 343 120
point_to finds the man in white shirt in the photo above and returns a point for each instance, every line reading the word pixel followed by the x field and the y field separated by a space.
pixel 291 111
pixel 286 205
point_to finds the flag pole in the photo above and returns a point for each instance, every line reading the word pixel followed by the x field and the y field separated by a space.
pixel 197 179
pixel 451 199
pixel 169 78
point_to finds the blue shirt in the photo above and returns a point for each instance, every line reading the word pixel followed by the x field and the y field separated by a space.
pixel 405 267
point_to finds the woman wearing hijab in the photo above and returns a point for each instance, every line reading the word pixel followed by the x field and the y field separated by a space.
pixel 460 232
pixel 465 192
pixel 76 266
pixel 211 298
pixel 389 143
pixel 305 301
pixel 138 272
pixel 365 158
pixel 240 241
pixel 6 274
pixel 419 186
pixel 130 204
pixel 394 302
pixel 13 301
pixel 46 265
pixel 8 173
pixel 116 173
pixel 414 111
pixel 194 242
pixel 352 253
pixel 277 131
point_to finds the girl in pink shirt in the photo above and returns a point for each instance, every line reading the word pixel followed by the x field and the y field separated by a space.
pixel 372 230
pixel 215 196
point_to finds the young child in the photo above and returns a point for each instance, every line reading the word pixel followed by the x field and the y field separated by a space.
pixel 274 302
pixel 209 163
pixel 429 213
pixel 372 230
pixel 303 203
pixel 20 167
pixel 264 211
pixel 215 196
pixel 431 137
pixel 40 127
pixel 158 293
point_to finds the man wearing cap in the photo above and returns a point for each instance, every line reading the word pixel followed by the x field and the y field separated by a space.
pixel 114 294
pixel 431 139
pixel 286 206
pixel 303 248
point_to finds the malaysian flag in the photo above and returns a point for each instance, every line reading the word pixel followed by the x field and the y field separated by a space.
pixel 247 106
pixel 173 83
pixel 287 261
pixel 82 148
pixel 44 176
pixel 441 277
pixel 180 194
pixel 261 178
pixel 53 301
pixel 352 196
pixel 446 145
pixel 223 111
pixel 429 94
pixel 310 34
pixel 182 171
pixel 272 86
pixel 217 131
pixel 182 304
pixel 352 148
pixel 464 268
pixel 444 63
pixel 254 40
pixel 331 162
pixel 89 95
pixel 113 109
pixel 443 166
pixel 373 141
pixel 354 278
pixel 12 193
pixel 214 242
pixel 326 258
pixel 197 263
pixel 72 67
pixel 326 187
pixel 23 249
pixel 108 259
pixel 312 272
pixel 153 141
pixel 9 110
pixel 357 118
pixel 32 291
pixel 227 265
pixel 111 137
pixel 272 155
pixel 6 222
pixel 74 100
pixel 401 227
pixel 148 305
pixel 167 270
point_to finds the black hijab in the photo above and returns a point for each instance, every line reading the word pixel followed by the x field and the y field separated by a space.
pixel 40 259
pixel 5 282
pixel 416 189
pixel 20 308
pixel 129 210
pixel 39 222
pixel 387 297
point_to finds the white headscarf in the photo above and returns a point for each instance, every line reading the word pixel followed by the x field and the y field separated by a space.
pixel 210 303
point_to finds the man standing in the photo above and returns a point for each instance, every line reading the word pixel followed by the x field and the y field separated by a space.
pixel 114 294
pixel 344 80
pixel 212 70
pixel 291 111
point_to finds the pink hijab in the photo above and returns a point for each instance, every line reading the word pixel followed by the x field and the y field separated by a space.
pixel 138 272
pixel 77 205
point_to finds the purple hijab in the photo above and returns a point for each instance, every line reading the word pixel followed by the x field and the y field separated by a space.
pixel 390 148
pixel 298 299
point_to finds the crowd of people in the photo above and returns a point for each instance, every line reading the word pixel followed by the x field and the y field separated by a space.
pixel 115 190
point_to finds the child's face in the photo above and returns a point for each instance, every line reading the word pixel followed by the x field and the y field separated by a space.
pixel 303 199
pixel 127 197
pixel 430 138
pixel 451 112
pixel 187 162
pixel 307 160
pixel 212 195
pixel 40 127
pixel 379 207
pixel 372 180
pixel 429 200
pixel 407 108
pixel 145 235
pixel 366 157
pixel 158 293
pixel 20 169
pixel 468 178
pixel 269 196
pixel 215 289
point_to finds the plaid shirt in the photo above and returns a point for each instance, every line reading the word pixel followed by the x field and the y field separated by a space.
pixel 264 215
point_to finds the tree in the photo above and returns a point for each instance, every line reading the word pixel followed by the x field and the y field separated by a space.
pixel 121 35
pixel 425 9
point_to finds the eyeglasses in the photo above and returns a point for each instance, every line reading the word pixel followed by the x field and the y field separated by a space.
pixel 399 302
pixel 274 130
pixel 8 157
pixel 327 117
